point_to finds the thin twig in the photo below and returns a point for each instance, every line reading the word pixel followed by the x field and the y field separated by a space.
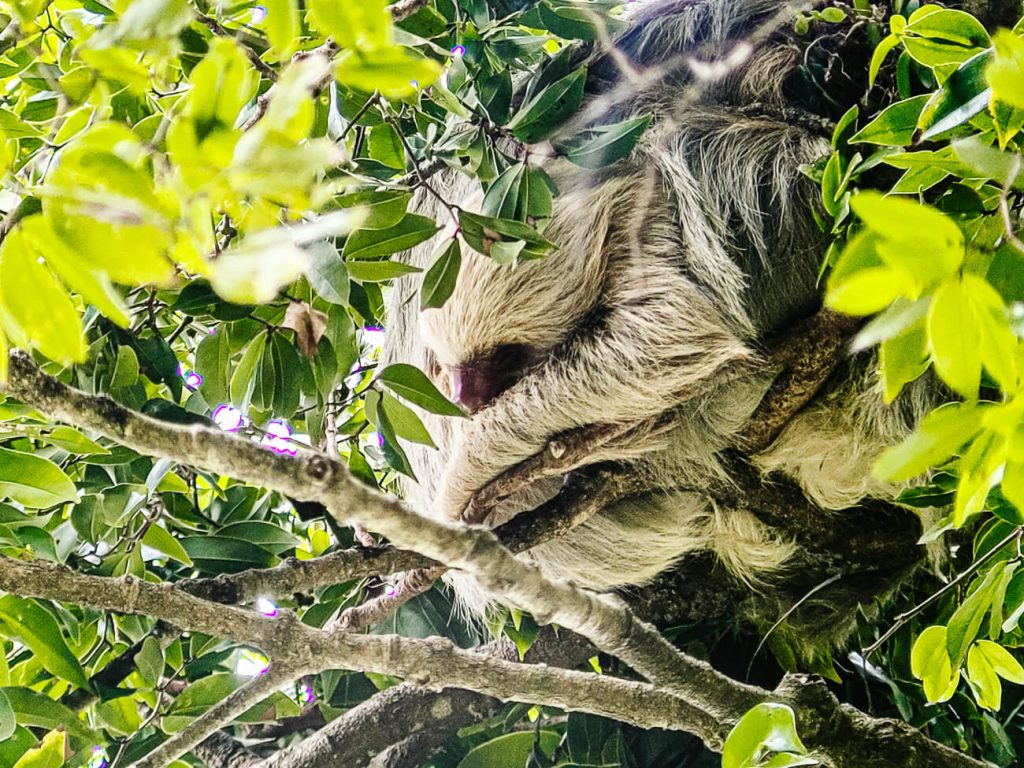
pixel 901 620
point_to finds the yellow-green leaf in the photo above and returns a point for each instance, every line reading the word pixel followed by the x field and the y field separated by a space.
pixel 38 304
pixel 33 481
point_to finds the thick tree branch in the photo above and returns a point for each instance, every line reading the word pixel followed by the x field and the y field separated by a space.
pixel 219 750
pixel 410 710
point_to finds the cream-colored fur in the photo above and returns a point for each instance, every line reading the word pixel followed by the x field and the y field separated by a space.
pixel 670 269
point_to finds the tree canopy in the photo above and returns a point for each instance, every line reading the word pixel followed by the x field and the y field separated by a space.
pixel 203 204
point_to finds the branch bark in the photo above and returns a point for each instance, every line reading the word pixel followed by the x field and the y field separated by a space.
pixel 428 717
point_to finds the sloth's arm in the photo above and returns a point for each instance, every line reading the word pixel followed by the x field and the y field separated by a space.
pixel 660 343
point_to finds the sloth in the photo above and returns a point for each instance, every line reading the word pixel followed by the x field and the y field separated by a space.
pixel 673 267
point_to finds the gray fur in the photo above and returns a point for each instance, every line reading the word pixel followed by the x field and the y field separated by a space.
pixel 672 268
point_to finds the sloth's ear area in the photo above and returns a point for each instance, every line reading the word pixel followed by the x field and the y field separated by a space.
pixel 478 381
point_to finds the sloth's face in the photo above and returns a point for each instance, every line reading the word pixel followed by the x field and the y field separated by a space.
pixel 500 322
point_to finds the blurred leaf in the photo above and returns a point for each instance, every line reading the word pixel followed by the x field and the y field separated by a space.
pixel 38 304
pixel 49 753
pixel 1006 74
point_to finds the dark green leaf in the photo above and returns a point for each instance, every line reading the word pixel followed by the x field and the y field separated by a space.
pixel 411 383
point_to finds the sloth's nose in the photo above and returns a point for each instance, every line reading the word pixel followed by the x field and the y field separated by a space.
pixel 478 381
pixel 474 386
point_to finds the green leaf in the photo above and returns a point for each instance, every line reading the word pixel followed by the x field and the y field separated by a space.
pixel 375 243
pixel 213 363
pixel 39 631
pixel 392 450
pixel 379 271
pixel 287 364
pixel 895 125
pixel 380 209
pixel 440 280
pixel 282 25
pixel 603 146
pixel 385 146
pixel 965 622
pixel 150 660
pixel 964 94
pixel 955 339
pixel 949 25
pixel 941 434
pixel 1001 661
pixel 983 680
pixel 76 272
pixel 199 697
pixel 917 238
pixel 327 273
pixel 38 304
pixel 404 420
pixel 929 662
pixel 33 481
pixel 902 359
pixel 126 368
pixel 395 72
pixel 511 749
pixel 998 344
pixel 988 162
pixel 542 115
pixel 503 193
pixel 49 753
pixel 272 538
pixel 878 57
pixel 162 541
pixel 577 19
pixel 486 235
pixel 411 383
pixel 363 24
pixel 768 727
pixel 224 554
pixel 36 710
pixel 73 441
pixel 8 720
pixel 242 380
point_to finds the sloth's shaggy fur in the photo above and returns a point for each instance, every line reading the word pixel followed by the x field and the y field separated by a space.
pixel 672 267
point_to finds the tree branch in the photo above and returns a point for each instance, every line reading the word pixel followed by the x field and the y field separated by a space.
pixel 603 619
pixel 410 710
pixel 690 694
pixel 237 703
pixel 219 750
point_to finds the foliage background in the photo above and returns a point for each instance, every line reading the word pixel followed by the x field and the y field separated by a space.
pixel 202 205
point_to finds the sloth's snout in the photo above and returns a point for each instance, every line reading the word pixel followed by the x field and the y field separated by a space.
pixel 479 381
